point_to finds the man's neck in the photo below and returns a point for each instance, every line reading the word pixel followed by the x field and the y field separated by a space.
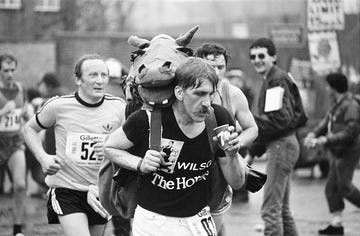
pixel 7 85
pixel 181 115
pixel 188 126
pixel 339 97
pixel 265 75
pixel 219 83
pixel 87 99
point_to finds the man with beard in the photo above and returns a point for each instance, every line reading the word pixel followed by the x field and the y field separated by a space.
pixel 178 201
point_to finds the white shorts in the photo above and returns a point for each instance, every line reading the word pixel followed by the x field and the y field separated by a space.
pixel 148 223
pixel 225 203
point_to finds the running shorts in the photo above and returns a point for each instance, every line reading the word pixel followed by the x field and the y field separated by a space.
pixel 9 145
pixel 64 201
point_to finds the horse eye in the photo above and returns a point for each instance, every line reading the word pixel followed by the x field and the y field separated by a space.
pixel 136 53
pixel 188 51
pixel 145 45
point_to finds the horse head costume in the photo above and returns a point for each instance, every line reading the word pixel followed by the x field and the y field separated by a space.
pixel 153 67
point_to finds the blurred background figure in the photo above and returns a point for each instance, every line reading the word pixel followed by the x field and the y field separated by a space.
pixel 34 102
pixel 338 131
pixel 238 78
pixel 115 77
pixel 122 226
pixel 12 115
pixel 48 87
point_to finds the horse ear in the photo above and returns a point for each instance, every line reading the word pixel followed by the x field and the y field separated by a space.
pixel 138 42
pixel 185 39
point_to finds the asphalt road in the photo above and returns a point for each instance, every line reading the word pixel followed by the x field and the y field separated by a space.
pixel 307 203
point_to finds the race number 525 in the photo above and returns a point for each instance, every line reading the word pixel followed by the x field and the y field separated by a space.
pixel 87 151
pixel 80 147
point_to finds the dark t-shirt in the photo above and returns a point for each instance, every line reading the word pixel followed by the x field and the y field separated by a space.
pixel 181 188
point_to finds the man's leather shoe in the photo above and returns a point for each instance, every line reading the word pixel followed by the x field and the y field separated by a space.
pixel 332 230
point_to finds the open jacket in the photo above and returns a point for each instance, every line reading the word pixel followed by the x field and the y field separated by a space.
pixel 276 124
pixel 341 125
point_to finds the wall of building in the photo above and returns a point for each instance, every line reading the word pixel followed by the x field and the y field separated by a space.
pixel 27 24
pixel 34 60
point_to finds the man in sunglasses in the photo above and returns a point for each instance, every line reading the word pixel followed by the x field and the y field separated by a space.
pixel 280 112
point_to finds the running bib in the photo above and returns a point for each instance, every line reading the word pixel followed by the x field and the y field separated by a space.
pixel 202 224
pixel 11 121
pixel 80 148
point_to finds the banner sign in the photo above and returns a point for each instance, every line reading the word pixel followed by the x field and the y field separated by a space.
pixel 286 35
pixel 325 15
pixel 324 52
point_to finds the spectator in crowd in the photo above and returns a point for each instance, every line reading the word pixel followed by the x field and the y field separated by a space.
pixel 32 165
pixel 81 121
pixel 235 101
pixel 165 198
pixel 238 78
pixel 12 112
pixel 277 119
pixel 50 86
pixel 339 133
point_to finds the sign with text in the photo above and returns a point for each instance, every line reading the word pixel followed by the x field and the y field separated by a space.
pixel 324 52
pixel 300 69
pixel 325 15
pixel 286 35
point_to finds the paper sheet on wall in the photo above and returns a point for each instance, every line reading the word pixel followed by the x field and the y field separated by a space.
pixel 273 99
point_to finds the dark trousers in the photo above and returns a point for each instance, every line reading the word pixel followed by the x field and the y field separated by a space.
pixel 122 226
pixel 34 166
pixel 339 183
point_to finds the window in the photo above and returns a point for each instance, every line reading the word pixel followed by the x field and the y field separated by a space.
pixel 10 4
pixel 47 5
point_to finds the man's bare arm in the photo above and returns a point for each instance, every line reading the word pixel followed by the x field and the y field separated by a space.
pixel 50 164
pixel 244 116
pixel 233 166
pixel 115 150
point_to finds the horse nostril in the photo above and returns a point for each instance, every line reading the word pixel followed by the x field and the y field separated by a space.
pixel 166 65
pixel 141 68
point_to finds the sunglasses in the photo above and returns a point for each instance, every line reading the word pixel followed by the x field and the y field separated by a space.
pixel 260 56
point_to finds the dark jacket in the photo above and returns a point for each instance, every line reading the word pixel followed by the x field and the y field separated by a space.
pixel 276 124
pixel 341 125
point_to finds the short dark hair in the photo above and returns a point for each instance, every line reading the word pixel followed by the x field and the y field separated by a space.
pixel 193 71
pixel 32 93
pixel 338 82
pixel 50 80
pixel 215 49
pixel 7 57
pixel 80 61
pixel 264 43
